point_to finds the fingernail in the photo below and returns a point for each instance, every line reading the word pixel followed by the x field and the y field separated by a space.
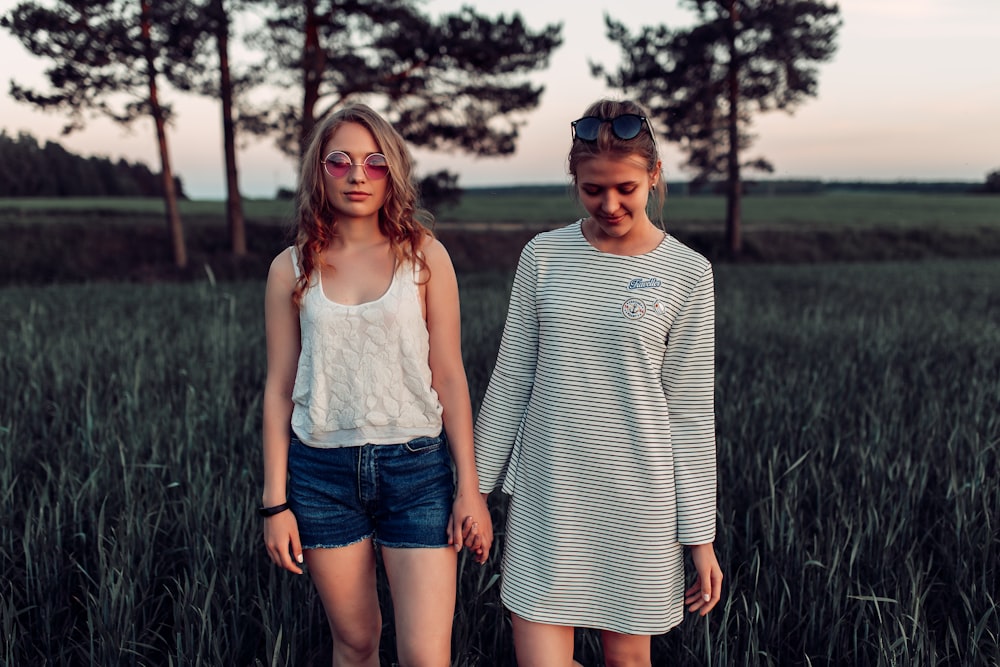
pixel 706 597
pixel 299 558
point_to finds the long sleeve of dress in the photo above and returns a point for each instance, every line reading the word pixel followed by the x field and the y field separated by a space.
pixel 509 390
pixel 689 383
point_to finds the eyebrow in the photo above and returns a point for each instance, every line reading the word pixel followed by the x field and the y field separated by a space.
pixel 592 184
pixel 350 154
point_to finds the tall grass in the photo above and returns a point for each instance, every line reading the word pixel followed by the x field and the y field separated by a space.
pixel 858 443
pixel 859 432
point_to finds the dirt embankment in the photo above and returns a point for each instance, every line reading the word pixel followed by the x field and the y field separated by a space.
pixel 496 246
pixel 74 252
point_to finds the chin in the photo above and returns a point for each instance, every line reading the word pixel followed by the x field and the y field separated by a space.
pixel 617 229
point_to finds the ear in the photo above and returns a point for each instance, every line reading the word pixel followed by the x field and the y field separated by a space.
pixel 655 174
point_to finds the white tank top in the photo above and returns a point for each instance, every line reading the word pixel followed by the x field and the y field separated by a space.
pixel 363 374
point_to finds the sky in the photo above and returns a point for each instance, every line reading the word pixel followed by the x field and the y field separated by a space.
pixel 912 93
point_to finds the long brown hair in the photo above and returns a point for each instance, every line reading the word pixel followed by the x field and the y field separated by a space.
pixel 643 145
pixel 399 218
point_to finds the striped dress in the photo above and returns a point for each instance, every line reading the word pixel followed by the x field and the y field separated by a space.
pixel 599 422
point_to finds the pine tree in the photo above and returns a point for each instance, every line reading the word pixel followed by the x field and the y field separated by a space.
pixel 457 81
pixel 704 83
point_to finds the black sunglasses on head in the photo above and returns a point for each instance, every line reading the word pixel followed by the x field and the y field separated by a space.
pixel 627 126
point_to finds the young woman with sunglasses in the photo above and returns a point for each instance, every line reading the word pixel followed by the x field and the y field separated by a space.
pixel 367 419
pixel 599 416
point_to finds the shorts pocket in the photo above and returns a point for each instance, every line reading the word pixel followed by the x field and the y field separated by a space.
pixel 424 444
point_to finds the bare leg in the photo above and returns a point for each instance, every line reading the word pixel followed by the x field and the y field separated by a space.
pixel 422 583
pixel 345 580
pixel 625 650
pixel 541 644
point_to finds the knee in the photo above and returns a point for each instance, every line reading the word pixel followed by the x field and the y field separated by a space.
pixel 627 659
pixel 424 654
pixel 361 651
pixel 626 656
pixel 358 643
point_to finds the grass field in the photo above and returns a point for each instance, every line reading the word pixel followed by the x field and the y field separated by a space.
pixel 858 437
pixel 555 205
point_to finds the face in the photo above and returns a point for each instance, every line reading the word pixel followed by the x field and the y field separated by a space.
pixel 614 191
pixel 355 194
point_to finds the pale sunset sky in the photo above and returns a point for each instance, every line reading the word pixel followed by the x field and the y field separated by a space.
pixel 912 93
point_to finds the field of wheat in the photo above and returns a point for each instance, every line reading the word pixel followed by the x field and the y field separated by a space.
pixel 858 432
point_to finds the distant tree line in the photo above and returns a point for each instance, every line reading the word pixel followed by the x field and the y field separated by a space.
pixel 992 184
pixel 30 170
pixel 815 186
pixel 773 187
pixel 935 187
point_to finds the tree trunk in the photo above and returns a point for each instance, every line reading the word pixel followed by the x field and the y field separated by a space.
pixel 734 187
pixel 312 74
pixel 174 226
pixel 234 203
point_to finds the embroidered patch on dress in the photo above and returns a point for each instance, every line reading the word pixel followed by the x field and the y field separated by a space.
pixel 659 307
pixel 644 283
pixel 633 309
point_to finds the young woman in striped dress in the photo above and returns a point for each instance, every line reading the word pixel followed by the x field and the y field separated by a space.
pixel 599 416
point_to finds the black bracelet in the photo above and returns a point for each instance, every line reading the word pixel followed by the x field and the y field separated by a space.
pixel 271 511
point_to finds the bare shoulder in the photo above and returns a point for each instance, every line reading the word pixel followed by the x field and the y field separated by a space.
pixel 432 249
pixel 435 254
pixel 282 270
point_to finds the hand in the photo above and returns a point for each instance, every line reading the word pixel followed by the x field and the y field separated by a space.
pixel 472 539
pixel 706 590
pixel 281 537
pixel 471 525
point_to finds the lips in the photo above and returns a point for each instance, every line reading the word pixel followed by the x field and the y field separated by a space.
pixel 357 196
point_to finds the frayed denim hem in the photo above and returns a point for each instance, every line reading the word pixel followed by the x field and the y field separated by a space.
pixel 410 545
pixel 338 546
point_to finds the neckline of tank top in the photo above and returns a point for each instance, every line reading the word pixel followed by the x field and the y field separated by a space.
pixel 388 290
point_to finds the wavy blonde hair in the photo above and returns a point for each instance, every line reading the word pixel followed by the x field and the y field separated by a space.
pixel 400 219
pixel 643 145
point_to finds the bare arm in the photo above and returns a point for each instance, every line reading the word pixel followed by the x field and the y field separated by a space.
pixel 449 381
pixel 281 321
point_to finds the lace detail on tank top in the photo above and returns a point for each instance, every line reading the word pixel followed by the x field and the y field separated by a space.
pixel 363 373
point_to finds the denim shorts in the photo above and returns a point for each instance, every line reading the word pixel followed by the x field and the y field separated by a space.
pixel 399 495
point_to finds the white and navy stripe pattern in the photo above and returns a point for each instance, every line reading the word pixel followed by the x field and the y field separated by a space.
pixel 599 421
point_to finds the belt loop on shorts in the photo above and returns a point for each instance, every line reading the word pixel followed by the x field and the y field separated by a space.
pixel 367 474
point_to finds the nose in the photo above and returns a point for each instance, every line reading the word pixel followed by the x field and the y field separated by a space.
pixel 356 172
pixel 609 203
